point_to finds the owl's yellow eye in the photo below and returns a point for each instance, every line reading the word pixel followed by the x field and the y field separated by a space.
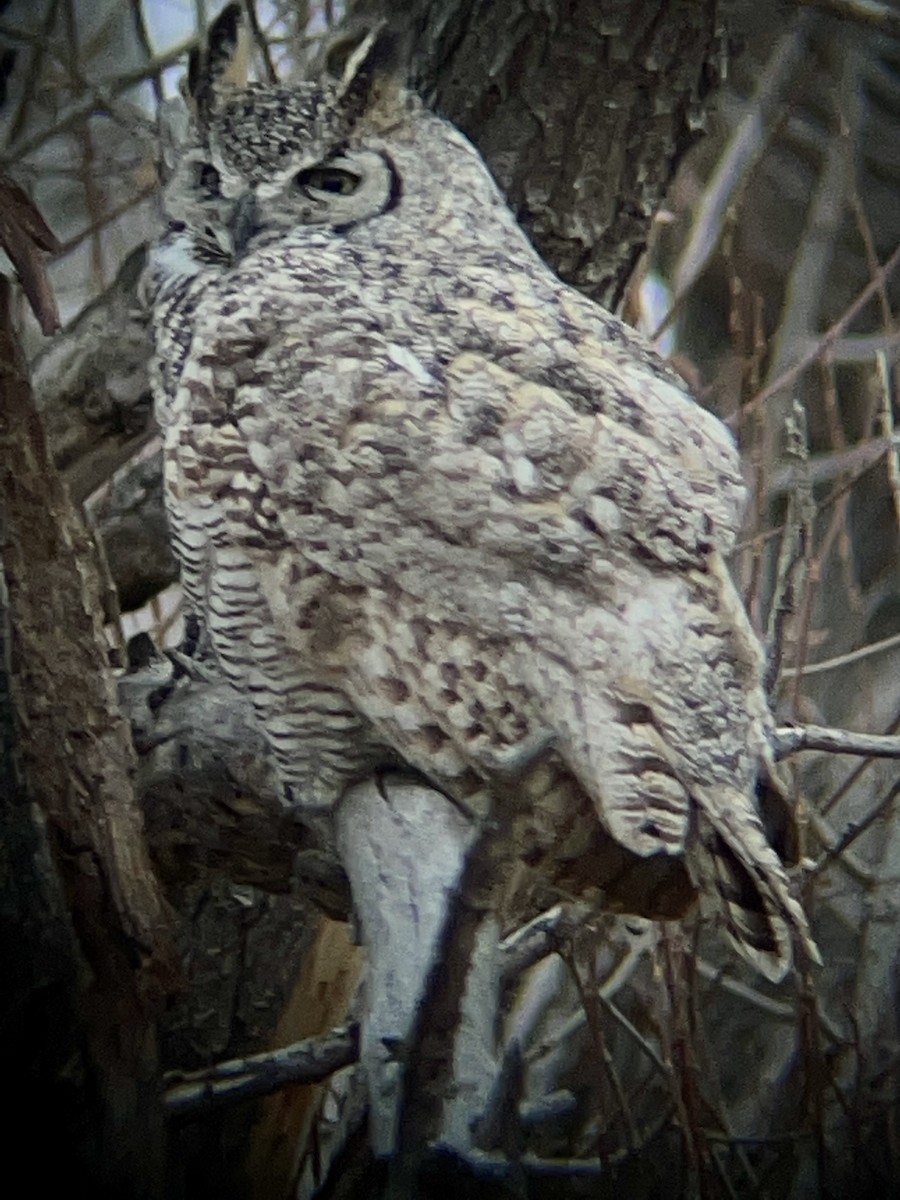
pixel 331 180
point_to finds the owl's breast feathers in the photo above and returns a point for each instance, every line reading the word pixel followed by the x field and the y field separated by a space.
pixel 521 521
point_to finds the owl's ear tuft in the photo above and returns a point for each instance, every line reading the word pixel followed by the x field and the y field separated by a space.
pixel 365 64
pixel 359 53
pixel 221 63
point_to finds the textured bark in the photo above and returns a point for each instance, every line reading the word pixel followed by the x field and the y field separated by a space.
pixel 93 388
pixel 76 761
pixel 37 949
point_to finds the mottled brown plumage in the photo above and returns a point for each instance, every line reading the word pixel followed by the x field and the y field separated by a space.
pixel 434 505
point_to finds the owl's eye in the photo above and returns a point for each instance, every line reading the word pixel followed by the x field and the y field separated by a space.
pixel 210 180
pixel 331 180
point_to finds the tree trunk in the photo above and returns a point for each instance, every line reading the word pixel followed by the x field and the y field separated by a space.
pixel 93 917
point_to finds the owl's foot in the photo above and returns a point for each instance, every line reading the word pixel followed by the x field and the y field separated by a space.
pixel 186 660
pixel 189 659
pixel 193 632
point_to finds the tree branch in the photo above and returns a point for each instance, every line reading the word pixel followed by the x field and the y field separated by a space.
pixel 790 739
pixel 308 1061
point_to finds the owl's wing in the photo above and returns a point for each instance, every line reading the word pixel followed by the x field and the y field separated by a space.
pixel 525 536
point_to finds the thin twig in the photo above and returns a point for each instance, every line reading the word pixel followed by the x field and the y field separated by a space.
pixel 105 220
pixel 541 936
pixel 857 828
pixel 40 42
pixel 590 1003
pixel 886 419
pixel 775 1008
pixel 855 775
pixel 827 340
pixel 859 347
pixel 94 104
pixel 634 1033
pixel 844 660
pixel 140 28
pixel 745 148
pixel 849 862
pixel 824 467
pixel 262 42
pixel 794 550
pixel 613 984
pixel 812 256
pixel 845 485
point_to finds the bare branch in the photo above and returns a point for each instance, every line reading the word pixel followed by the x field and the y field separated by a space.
pixel 98 102
pixel 790 739
pixel 822 468
pixel 858 347
pixel 788 377
pixel 795 544
pixel 743 151
pixel 307 1061
pixel 24 235
pixel 849 862
pixel 541 936
pixel 844 660
pixel 886 420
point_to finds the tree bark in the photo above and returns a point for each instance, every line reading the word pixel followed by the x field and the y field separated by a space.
pixel 72 759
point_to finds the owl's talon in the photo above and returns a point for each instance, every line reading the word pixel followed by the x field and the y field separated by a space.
pixel 183 666
pixel 193 631
pixel 157 698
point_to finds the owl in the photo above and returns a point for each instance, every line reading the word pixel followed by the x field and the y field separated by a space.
pixel 434 508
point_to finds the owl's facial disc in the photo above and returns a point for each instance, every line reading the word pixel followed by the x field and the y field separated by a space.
pixel 339 191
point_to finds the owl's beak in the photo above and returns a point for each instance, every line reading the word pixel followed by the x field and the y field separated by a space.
pixel 244 222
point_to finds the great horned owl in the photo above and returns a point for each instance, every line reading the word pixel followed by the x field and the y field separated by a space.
pixel 434 506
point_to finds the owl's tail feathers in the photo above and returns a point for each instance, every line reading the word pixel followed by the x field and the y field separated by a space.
pixel 737 867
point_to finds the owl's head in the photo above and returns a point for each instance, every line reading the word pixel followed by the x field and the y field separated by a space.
pixel 266 159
